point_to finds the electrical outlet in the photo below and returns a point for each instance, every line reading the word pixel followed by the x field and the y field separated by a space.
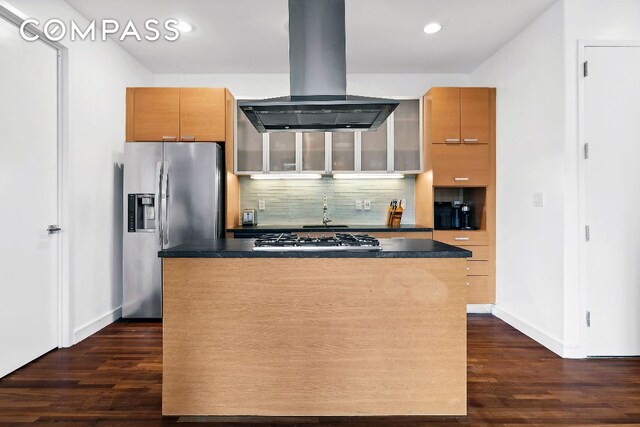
pixel 358 205
pixel 538 199
pixel 367 205
pixel 261 205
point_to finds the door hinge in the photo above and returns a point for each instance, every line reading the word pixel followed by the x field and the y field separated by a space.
pixel 587 233
pixel 586 151
pixel 585 69
pixel 588 318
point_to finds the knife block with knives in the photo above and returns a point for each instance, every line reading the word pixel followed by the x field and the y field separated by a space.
pixel 394 214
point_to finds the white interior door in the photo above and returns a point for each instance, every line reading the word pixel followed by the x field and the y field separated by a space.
pixel 28 199
pixel 612 200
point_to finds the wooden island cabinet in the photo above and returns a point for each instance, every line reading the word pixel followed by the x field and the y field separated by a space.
pixel 314 334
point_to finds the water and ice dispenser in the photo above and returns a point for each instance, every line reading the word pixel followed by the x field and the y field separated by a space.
pixel 141 211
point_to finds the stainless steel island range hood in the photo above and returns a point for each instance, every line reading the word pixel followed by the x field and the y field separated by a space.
pixel 318 79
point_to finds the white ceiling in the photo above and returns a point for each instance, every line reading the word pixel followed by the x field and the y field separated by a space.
pixel 383 36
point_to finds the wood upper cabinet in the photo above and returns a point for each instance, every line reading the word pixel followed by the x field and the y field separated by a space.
pixel 444 109
pixel 459 115
pixel 460 165
pixel 155 114
pixel 176 114
pixel 202 114
pixel 474 115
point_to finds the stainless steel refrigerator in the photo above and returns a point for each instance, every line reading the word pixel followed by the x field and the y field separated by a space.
pixel 173 193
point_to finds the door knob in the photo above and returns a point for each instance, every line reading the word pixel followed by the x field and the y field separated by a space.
pixel 53 229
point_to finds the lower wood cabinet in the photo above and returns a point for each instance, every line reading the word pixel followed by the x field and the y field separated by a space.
pixel 460 165
pixel 480 290
pixel 462 237
pixel 477 268
pixel 480 253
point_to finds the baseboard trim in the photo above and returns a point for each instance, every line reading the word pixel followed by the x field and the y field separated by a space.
pixel 480 308
pixel 95 325
pixel 529 330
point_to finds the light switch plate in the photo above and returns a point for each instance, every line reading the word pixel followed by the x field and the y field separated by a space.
pixel 358 205
pixel 261 205
pixel 367 205
pixel 538 199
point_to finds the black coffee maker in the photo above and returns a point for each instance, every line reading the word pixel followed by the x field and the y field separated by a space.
pixel 456 216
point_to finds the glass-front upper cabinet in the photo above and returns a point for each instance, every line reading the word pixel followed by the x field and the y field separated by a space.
pixel 343 151
pixel 249 147
pixel 313 152
pixel 373 149
pixel 406 136
pixel 396 146
pixel 282 152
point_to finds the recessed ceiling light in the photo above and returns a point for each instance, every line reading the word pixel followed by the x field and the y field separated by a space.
pixel 432 28
pixel 184 27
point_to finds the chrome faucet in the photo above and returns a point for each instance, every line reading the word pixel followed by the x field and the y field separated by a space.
pixel 326 218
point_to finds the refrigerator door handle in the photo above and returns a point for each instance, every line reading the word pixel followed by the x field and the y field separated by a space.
pixel 158 184
pixel 164 205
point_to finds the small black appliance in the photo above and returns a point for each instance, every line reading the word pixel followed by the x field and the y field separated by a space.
pixel 466 218
pixel 456 215
pixel 442 215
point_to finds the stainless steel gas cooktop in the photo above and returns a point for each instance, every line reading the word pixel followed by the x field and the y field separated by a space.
pixel 337 242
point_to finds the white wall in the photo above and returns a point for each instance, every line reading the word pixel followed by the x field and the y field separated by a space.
pixel 272 85
pixel 585 20
pixel 536 75
pixel 528 73
pixel 98 73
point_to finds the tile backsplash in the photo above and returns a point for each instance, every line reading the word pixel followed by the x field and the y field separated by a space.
pixel 300 201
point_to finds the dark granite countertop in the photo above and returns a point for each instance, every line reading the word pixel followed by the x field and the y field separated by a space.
pixel 242 248
pixel 357 228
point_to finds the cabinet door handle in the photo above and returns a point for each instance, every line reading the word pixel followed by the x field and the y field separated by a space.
pixel 461 179
pixel 169 138
pixel 470 139
pixel 188 138
pixel 452 140
pixel 461 239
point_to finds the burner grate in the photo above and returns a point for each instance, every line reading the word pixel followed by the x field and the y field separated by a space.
pixel 339 241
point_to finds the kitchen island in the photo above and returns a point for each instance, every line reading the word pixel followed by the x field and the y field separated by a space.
pixel 314 333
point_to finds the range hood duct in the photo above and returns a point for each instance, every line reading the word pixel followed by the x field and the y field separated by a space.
pixel 318 79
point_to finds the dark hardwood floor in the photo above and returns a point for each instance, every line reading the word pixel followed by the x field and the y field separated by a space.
pixel 114 379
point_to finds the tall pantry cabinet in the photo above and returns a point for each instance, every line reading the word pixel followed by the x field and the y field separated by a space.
pixel 459 137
